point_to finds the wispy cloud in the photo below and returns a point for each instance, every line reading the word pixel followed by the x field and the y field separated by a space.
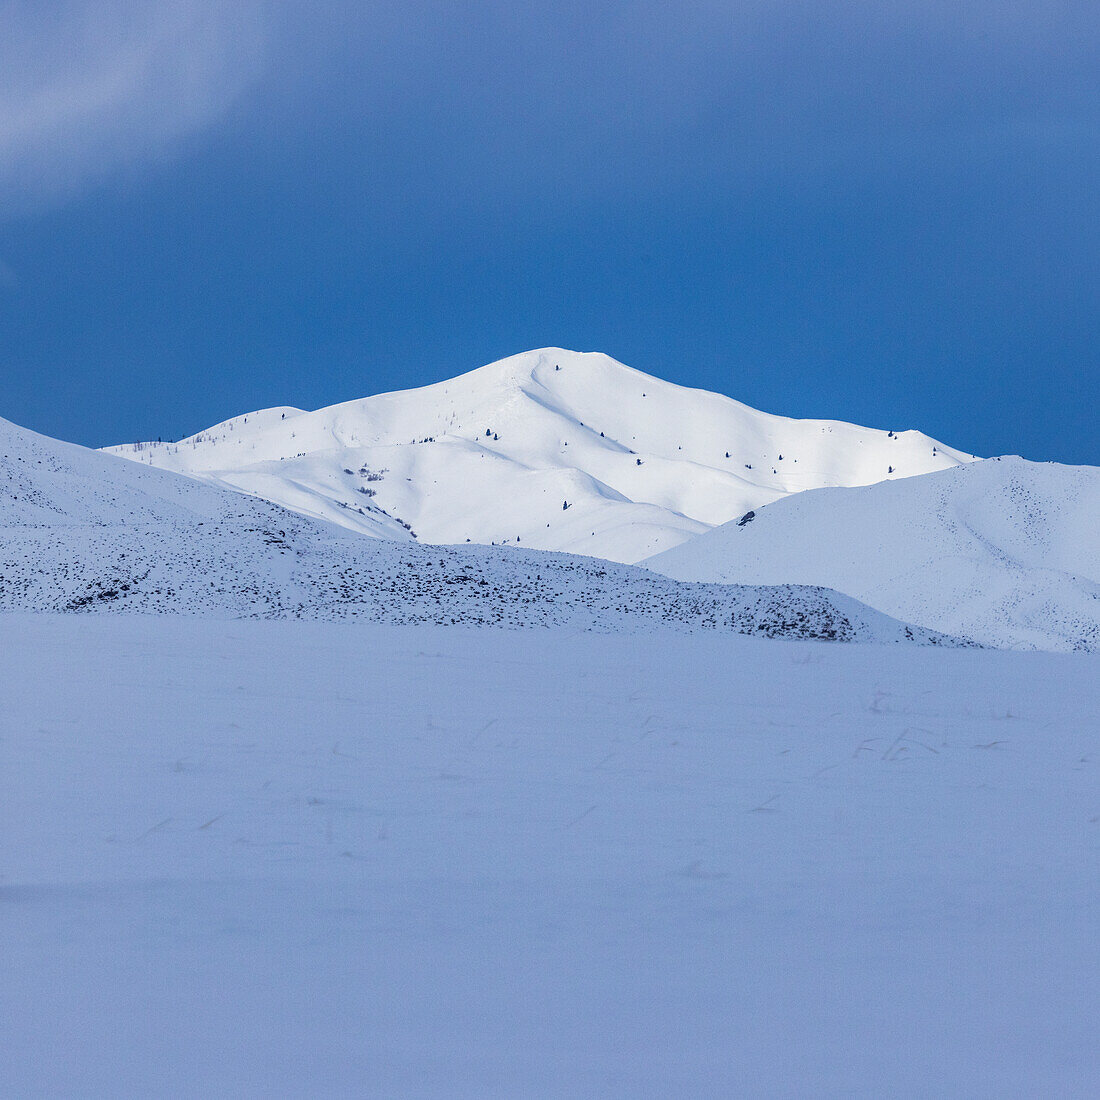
pixel 92 87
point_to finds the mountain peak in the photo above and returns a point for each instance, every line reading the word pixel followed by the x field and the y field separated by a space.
pixel 550 448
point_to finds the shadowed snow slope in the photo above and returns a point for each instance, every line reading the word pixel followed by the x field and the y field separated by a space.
pixel 84 531
pixel 551 449
pixel 1005 551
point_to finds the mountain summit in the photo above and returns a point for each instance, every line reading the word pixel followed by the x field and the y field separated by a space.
pixel 550 449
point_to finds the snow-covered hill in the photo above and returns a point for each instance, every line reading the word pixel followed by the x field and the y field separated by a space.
pixel 83 531
pixel 1003 551
pixel 551 449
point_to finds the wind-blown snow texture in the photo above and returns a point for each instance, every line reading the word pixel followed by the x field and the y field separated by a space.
pixel 496 455
pixel 83 531
pixel 310 859
pixel 1005 551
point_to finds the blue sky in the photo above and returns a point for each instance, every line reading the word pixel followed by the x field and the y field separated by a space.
pixel 873 211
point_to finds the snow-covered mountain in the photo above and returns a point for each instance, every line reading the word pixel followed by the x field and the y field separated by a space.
pixel 1005 551
pixel 550 449
pixel 84 531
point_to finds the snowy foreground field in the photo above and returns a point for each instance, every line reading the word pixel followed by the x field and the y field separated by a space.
pixel 322 859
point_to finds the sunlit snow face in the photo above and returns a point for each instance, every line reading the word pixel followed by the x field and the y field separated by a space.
pixel 89 89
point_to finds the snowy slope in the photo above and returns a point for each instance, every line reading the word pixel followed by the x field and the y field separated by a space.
pixel 1004 551
pixel 84 531
pixel 291 859
pixel 494 456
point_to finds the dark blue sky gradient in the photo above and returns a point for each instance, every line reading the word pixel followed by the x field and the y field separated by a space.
pixel 884 213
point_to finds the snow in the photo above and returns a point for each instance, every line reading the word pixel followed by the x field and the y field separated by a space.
pixel 1005 552
pixel 492 457
pixel 350 859
pixel 83 531
pixel 286 812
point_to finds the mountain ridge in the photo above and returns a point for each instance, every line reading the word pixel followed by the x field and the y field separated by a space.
pixel 81 531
